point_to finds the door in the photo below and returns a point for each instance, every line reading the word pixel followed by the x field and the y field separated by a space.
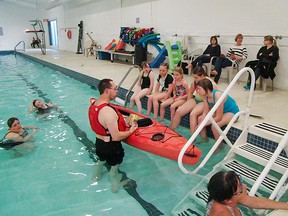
pixel 53 37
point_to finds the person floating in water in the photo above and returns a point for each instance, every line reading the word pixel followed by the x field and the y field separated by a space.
pixel 110 128
pixel 19 133
pixel 42 108
pixel 18 137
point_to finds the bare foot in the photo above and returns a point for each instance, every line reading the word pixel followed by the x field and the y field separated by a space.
pixel 117 184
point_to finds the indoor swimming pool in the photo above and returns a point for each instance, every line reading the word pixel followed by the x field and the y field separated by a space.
pixel 54 177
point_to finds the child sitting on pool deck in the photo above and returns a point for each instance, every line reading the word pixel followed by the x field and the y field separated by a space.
pixel 180 89
pixel 225 112
pixel 163 89
pixel 145 86
pixel 194 101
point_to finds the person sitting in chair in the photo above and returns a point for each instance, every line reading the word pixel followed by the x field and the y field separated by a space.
pixel 236 54
pixel 35 42
pixel 266 62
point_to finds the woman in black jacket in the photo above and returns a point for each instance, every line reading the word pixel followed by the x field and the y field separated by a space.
pixel 266 62
pixel 213 49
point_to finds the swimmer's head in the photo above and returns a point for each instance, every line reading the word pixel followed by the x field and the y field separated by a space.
pixel 38 103
pixel 14 125
pixel 223 186
pixel 11 121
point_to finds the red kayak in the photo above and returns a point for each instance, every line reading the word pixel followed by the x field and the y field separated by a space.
pixel 156 138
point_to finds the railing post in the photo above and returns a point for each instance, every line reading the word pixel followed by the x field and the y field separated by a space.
pixel 133 84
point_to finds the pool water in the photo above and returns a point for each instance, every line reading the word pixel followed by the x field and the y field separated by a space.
pixel 54 177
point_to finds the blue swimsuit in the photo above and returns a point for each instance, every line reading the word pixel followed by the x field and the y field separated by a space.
pixel 229 106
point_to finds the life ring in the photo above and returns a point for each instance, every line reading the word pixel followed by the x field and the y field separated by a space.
pixel 69 34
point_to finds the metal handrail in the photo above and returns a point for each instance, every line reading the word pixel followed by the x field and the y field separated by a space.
pixel 209 117
pixel 18 45
pixel 133 84
pixel 281 187
pixel 283 143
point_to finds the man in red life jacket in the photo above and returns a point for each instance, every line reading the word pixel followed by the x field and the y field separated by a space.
pixel 110 128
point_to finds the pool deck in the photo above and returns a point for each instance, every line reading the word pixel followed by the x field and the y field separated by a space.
pixel 270 104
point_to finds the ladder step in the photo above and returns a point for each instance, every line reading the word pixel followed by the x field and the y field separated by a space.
pixel 261 156
pixel 268 183
pixel 268 131
pixel 203 195
pixel 272 128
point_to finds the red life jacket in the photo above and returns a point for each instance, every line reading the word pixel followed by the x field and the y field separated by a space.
pixel 95 124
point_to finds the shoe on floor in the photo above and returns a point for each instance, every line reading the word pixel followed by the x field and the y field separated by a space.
pixel 246 87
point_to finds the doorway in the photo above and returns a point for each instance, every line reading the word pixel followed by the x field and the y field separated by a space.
pixel 53 37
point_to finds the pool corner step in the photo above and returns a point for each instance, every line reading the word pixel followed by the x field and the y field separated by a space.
pixel 261 156
pixel 268 131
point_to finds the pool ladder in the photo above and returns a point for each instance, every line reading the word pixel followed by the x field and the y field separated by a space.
pixel 120 100
pixel 15 48
pixel 264 160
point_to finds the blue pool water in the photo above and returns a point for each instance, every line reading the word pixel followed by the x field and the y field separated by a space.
pixel 54 178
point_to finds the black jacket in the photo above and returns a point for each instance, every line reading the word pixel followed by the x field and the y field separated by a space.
pixel 267 61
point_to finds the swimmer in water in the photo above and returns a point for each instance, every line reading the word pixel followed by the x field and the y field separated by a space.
pixel 19 133
pixel 42 107
pixel 18 138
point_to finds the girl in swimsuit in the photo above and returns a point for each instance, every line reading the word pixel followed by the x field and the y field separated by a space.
pixel 145 86
pixel 225 112
pixel 163 90
pixel 180 89
pixel 226 191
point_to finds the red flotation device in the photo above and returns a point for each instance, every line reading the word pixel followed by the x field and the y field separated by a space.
pixel 95 124
pixel 69 34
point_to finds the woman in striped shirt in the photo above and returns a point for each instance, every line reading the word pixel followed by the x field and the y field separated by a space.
pixel 236 53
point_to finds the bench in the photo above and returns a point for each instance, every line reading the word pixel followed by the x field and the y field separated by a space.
pixel 114 53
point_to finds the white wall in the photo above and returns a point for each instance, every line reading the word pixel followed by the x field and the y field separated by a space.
pixel 199 19
pixel 14 21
